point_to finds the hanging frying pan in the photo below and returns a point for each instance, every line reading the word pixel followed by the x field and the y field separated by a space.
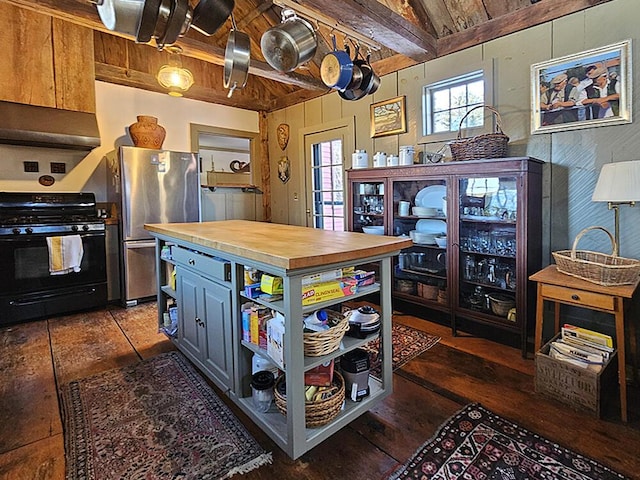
pixel 148 20
pixel 175 23
pixel 209 15
pixel 236 59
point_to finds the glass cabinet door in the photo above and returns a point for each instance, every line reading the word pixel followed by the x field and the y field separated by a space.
pixel 367 207
pixel 420 212
pixel 488 211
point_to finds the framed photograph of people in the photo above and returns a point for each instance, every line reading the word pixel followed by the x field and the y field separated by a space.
pixel 586 89
pixel 388 117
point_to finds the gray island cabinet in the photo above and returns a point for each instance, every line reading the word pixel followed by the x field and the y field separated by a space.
pixel 209 260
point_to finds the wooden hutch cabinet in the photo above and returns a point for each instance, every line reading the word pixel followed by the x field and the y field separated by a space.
pixel 476 227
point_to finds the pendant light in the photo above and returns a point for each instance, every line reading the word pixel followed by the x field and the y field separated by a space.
pixel 174 76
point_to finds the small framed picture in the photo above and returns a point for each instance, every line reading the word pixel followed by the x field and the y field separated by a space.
pixel 586 89
pixel 388 117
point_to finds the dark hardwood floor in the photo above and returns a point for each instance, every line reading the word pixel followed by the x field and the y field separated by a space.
pixel 37 357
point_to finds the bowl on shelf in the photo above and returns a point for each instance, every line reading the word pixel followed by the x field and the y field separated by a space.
pixel 374 230
pixel 424 211
pixel 422 238
pixel 501 304
pixel 441 241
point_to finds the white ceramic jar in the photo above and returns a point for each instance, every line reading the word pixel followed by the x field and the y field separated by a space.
pixel 406 154
pixel 380 159
pixel 360 159
pixel 392 161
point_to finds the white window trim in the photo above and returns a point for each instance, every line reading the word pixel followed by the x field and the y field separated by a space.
pixel 486 67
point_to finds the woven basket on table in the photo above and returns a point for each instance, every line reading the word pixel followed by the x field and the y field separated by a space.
pixel 319 413
pixel 317 344
pixel 600 268
pixel 488 145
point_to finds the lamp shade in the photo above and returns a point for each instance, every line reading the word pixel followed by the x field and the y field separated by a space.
pixel 618 182
pixel 174 76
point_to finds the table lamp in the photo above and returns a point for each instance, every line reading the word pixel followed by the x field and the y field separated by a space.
pixel 618 184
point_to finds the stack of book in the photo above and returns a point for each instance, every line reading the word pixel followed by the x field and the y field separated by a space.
pixel 582 347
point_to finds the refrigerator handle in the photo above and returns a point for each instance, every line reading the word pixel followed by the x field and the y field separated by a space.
pixel 151 243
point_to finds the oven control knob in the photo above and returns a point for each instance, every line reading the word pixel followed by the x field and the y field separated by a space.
pixel 74 228
pixel 85 228
pixel 28 230
pixel 16 231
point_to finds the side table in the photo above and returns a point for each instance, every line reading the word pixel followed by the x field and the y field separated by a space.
pixel 560 288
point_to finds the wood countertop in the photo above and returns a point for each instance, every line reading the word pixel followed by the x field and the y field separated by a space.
pixel 285 246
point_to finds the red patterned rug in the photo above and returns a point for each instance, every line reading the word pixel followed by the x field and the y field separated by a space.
pixel 156 419
pixel 407 343
pixel 477 444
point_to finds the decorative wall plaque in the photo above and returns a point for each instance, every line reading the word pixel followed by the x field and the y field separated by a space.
pixel 283 135
pixel 284 169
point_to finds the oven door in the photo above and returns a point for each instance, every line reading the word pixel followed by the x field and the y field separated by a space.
pixel 28 290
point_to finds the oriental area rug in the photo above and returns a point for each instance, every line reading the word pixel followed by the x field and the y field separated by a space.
pixel 156 419
pixel 477 444
pixel 407 343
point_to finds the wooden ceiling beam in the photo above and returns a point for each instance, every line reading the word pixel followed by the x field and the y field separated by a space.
pixel 382 25
pixel 146 81
pixel 84 14
pixel 526 17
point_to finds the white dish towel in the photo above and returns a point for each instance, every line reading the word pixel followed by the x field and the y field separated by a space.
pixel 65 254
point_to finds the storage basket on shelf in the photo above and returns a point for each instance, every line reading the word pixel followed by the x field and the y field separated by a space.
pixel 488 145
pixel 317 344
pixel 595 267
pixel 317 413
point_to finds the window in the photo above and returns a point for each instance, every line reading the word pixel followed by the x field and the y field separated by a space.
pixel 328 189
pixel 446 102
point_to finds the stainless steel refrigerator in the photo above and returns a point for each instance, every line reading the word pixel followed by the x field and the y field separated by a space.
pixel 151 186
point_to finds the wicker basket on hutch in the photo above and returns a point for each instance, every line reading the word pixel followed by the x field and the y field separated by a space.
pixel 317 413
pixel 317 344
pixel 599 268
pixel 488 145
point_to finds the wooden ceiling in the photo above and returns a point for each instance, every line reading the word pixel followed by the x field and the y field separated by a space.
pixel 407 32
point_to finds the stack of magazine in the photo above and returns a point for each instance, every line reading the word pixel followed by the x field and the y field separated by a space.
pixel 582 347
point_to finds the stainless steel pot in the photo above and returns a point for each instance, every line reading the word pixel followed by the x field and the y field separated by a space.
pixel 236 59
pixel 121 15
pixel 290 44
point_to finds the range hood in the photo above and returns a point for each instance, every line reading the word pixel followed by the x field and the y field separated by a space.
pixel 22 124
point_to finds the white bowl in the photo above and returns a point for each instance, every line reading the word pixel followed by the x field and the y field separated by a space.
pixel 422 238
pixel 374 230
pixel 424 212
pixel 441 241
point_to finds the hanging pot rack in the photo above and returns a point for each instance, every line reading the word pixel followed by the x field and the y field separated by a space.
pixel 329 22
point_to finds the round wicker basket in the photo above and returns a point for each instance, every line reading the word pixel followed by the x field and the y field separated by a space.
pixel 319 413
pixel 317 344
pixel 488 145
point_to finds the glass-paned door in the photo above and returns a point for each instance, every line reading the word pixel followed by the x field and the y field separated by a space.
pixel 325 179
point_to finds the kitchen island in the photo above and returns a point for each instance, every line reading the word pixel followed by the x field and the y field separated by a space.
pixel 210 259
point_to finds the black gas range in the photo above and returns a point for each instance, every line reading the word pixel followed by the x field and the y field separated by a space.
pixel 30 223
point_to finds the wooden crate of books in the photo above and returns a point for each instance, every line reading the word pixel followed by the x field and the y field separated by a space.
pixel 583 389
